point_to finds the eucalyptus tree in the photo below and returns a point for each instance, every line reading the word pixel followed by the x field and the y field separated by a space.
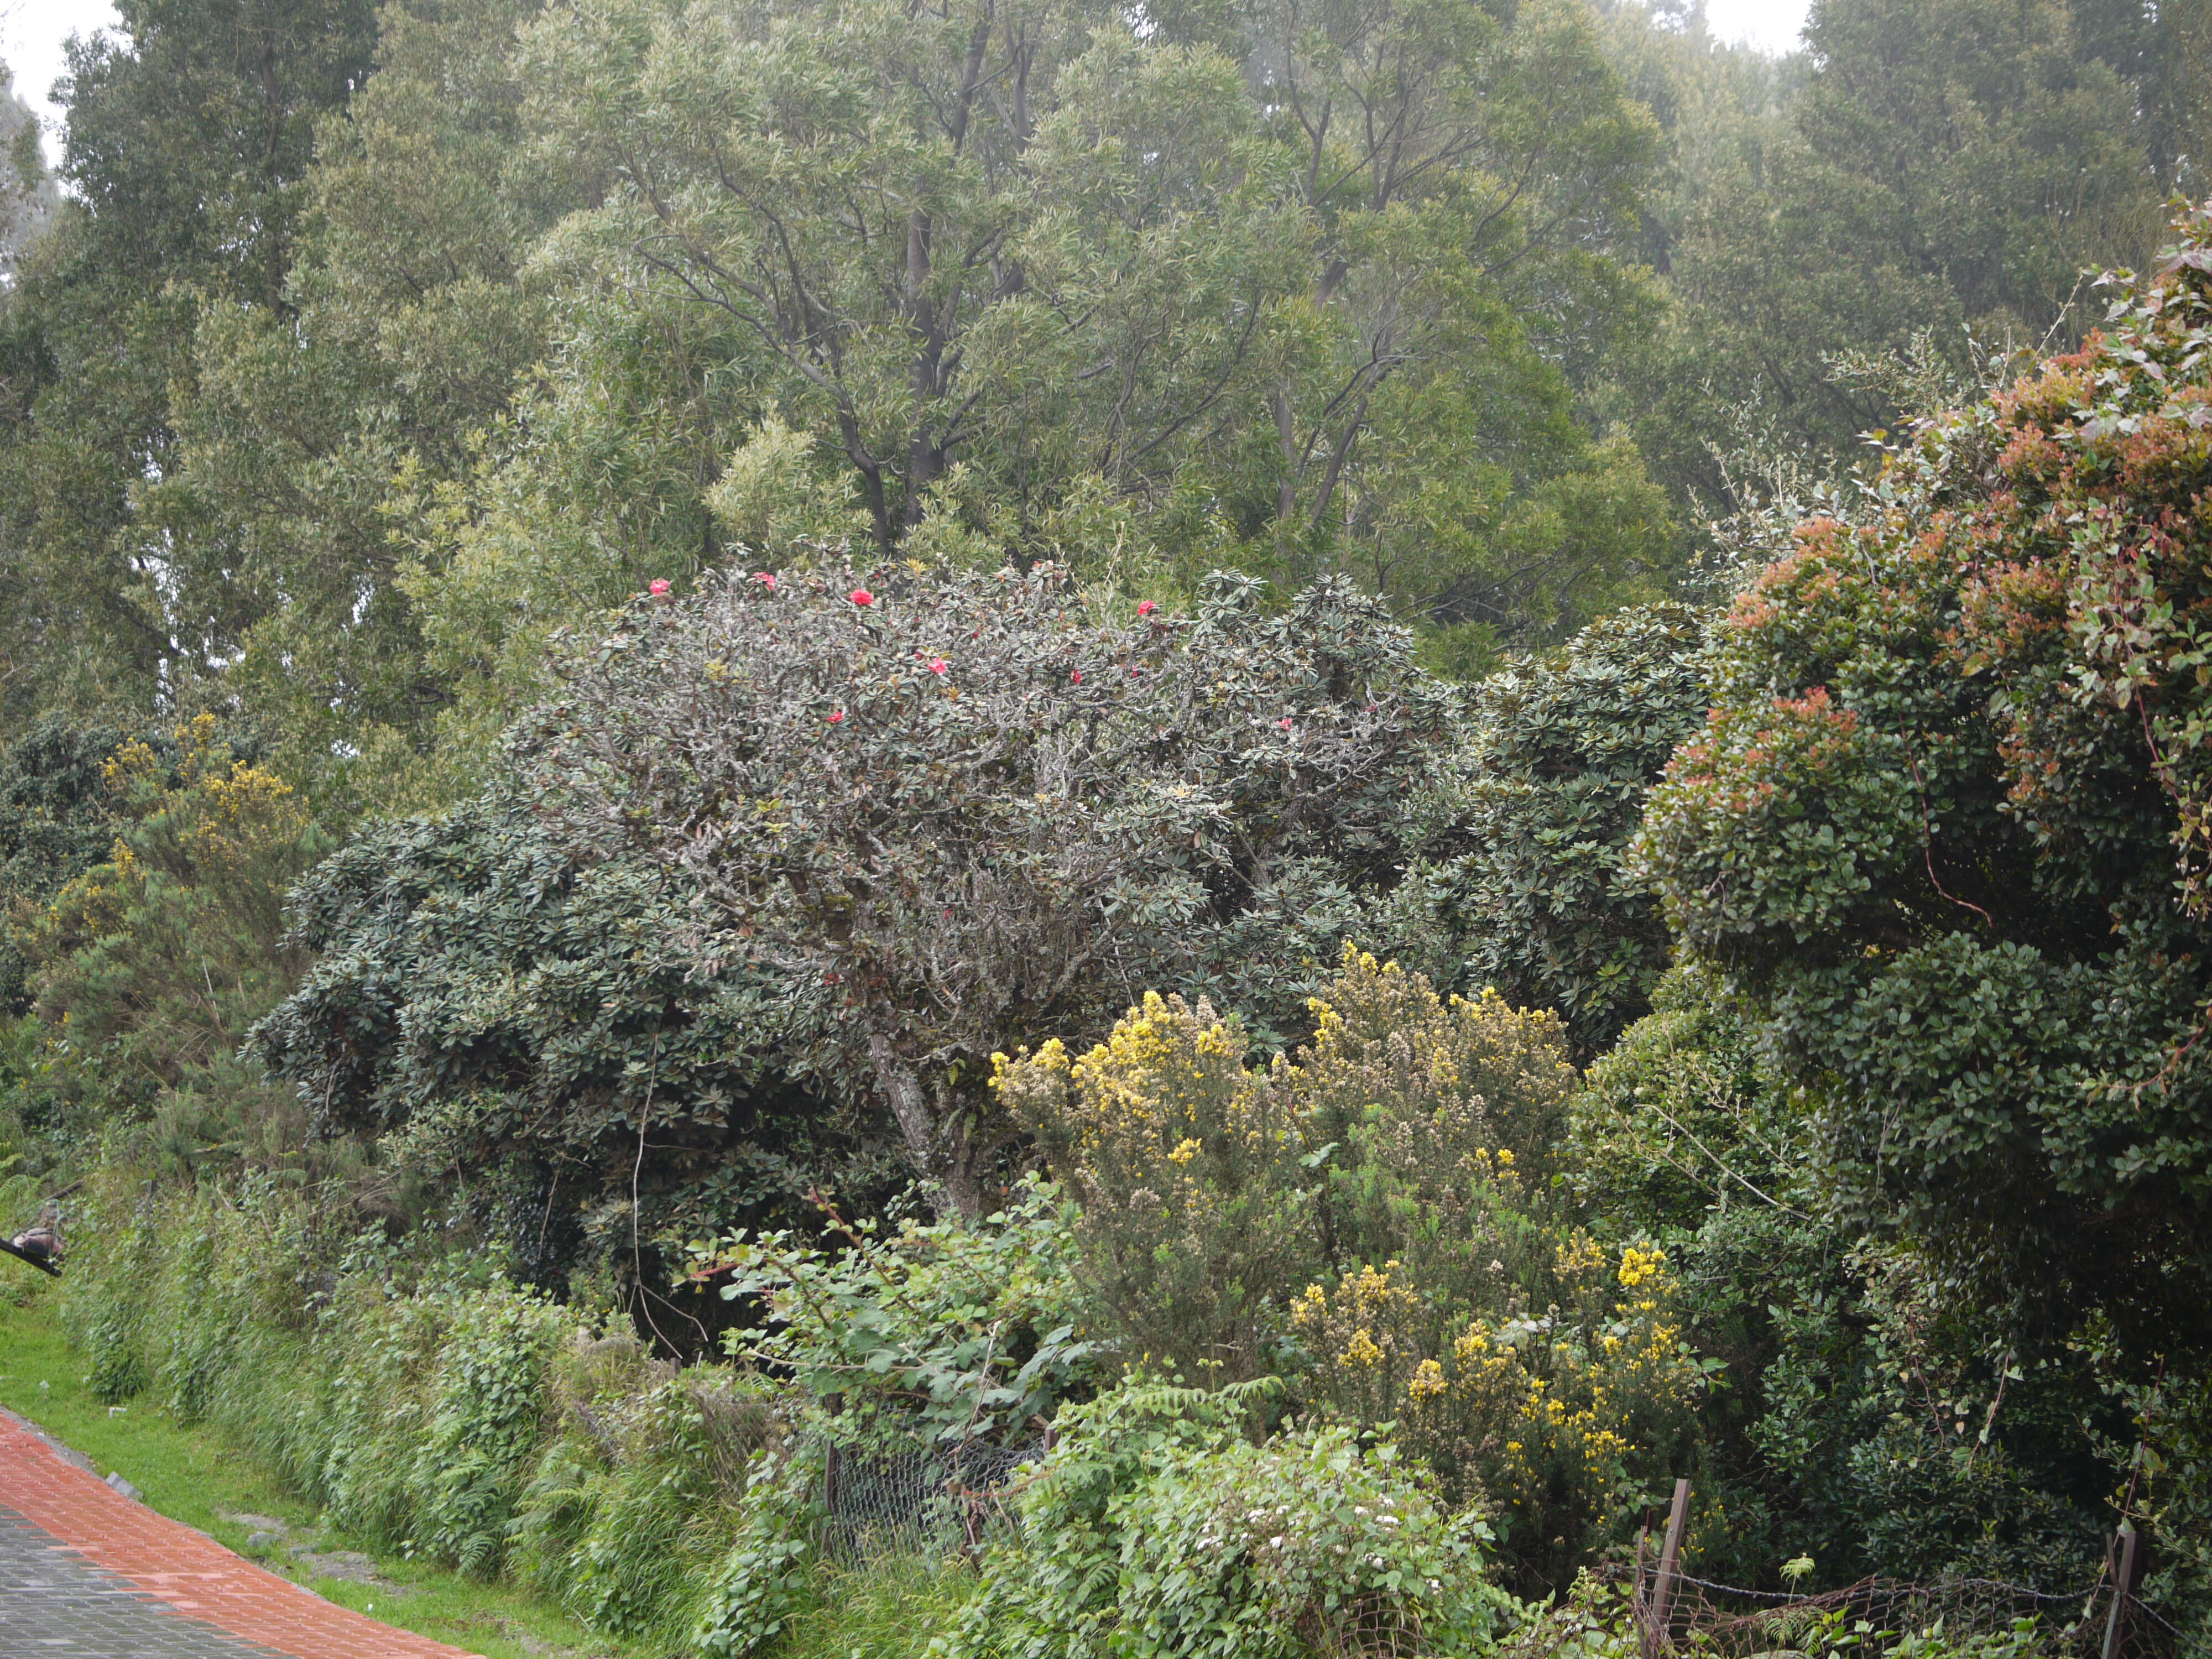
pixel 27 192
pixel 309 427
pixel 979 279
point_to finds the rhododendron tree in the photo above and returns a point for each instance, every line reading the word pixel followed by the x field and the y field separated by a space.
pixel 922 810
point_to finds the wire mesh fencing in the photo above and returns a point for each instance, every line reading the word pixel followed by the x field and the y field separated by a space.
pixel 923 1498
pixel 1679 1614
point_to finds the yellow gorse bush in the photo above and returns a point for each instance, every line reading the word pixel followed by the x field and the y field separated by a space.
pixel 163 956
pixel 1373 1214
pixel 1185 1164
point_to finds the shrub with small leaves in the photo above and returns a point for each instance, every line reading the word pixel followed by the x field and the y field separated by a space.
pixel 1373 1216
pixel 972 812
pixel 1560 1403
pixel 1155 1529
pixel 1195 1191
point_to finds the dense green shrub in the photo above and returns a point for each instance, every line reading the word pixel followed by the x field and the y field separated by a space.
pixel 1155 1527
pixel 1543 793
pixel 57 819
pixel 1932 831
pixel 945 1332
pixel 485 999
pixel 1683 1116
pixel 1865 1421
pixel 147 966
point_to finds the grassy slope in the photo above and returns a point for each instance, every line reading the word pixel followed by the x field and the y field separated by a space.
pixel 189 1474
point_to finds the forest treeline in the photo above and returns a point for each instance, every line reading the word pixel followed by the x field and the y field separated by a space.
pixel 372 346
pixel 1375 769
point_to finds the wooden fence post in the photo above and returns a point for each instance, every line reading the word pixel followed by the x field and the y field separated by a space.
pixel 1639 1608
pixel 1670 1555
pixel 2116 1622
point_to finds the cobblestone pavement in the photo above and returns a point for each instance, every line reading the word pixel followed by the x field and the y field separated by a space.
pixel 85 1573
pixel 52 1601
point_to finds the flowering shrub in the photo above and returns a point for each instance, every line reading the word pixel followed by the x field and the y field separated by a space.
pixel 1553 1408
pixel 955 810
pixel 1154 1529
pixel 1426 1096
pixel 1194 1210
pixel 1946 827
pixel 1372 1215
pixel 149 966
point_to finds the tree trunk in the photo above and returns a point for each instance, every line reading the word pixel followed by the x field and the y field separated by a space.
pixel 940 1152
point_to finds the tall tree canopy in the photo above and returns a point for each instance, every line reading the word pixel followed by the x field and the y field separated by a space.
pixel 189 137
pixel 1297 290
pixel 1929 166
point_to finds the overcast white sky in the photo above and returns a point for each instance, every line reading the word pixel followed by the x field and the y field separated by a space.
pixel 1772 24
pixel 32 32
pixel 31 36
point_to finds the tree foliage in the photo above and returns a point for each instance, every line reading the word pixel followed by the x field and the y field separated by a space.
pixel 1933 829
pixel 965 812
pixel 484 1002
pixel 190 133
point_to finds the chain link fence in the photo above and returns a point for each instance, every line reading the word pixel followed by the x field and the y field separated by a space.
pixel 877 1501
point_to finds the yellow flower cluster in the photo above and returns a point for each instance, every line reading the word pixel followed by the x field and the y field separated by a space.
pixel 1639 1266
pixel 1579 1256
pixel 199 816
pixel 1370 1325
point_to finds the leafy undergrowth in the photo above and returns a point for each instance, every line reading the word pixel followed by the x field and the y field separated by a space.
pixel 199 1477
pixel 890 1608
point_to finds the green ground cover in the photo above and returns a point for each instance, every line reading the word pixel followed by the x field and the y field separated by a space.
pixel 197 1475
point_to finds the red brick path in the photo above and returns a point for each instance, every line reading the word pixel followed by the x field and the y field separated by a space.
pixel 187 1569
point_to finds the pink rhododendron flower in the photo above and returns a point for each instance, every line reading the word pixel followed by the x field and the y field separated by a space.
pixel 1284 722
pixel 1077 676
pixel 766 578
pixel 658 586
pixel 862 596
pixel 1145 608
pixel 836 717
pixel 940 666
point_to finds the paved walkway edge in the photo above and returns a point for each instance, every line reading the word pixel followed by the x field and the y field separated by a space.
pixel 185 1568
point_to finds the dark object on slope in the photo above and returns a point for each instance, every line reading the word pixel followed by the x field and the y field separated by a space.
pixel 40 1245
